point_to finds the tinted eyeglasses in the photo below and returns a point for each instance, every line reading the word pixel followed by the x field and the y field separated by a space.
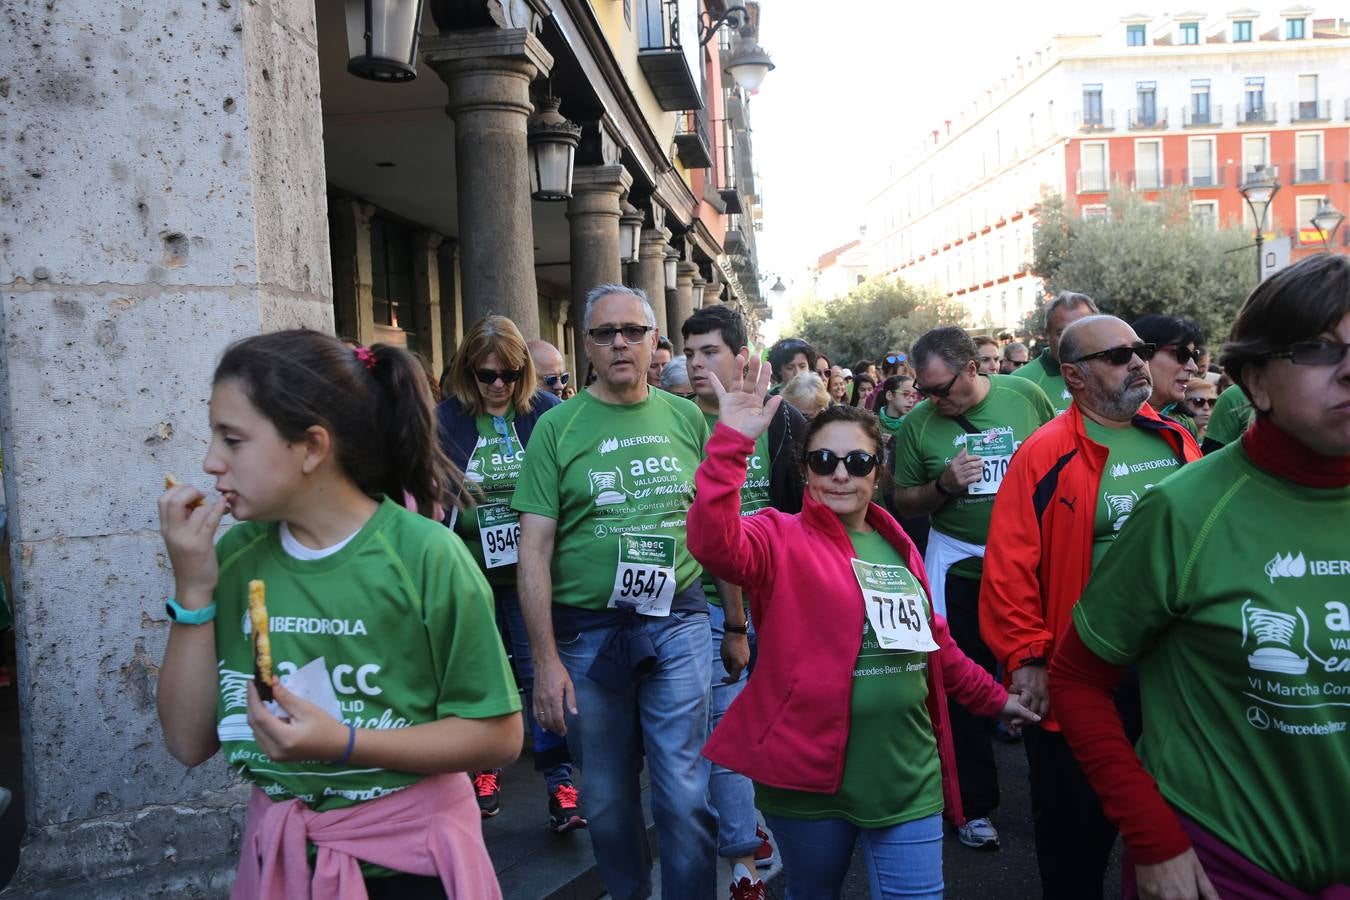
pixel 858 463
pixel 508 376
pixel 936 391
pixel 1016 363
pixel 632 334
pixel 1119 356
pixel 1202 401
pixel 895 359
pixel 555 381
pixel 1183 354
pixel 1314 353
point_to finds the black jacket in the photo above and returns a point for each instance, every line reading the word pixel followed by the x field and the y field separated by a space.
pixel 786 483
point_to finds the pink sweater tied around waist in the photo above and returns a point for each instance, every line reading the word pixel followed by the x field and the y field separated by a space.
pixel 432 828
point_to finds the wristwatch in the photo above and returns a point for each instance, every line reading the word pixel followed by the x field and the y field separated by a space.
pixel 183 616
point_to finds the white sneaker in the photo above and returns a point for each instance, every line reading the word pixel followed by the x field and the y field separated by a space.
pixel 979 834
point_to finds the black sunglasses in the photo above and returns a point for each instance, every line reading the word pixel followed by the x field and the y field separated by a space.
pixel 858 463
pixel 1119 356
pixel 1183 354
pixel 1202 401
pixel 1313 353
pixel 938 392
pixel 632 334
pixel 558 380
pixel 488 376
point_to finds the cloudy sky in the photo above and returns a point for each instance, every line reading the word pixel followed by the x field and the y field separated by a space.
pixel 860 81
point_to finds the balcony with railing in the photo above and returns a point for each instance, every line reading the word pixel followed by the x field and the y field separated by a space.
pixel 1257 114
pixel 1245 172
pixel 1203 177
pixel 1309 171
pixel 691 139
pixel 1093 181
pixel 1202 118
pixel 1148 119
pixel 1152 179
pixel 724 168
pixel 1310 111
pixel 1095 120
pixel 662 58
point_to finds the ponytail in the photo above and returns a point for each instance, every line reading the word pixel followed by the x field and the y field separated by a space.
pixel 374 402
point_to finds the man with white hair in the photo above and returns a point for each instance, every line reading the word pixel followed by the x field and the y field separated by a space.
pixel 614 602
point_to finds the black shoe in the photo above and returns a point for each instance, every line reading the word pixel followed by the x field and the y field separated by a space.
pixel 564 810
pixel 488 791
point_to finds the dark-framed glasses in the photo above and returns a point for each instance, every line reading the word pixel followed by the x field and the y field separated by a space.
pixel 858 463
pixel 1119 356
pixel 1183 354
pixel 1016 363
pixel 938 392
pixel 488 376
pixel 1313 353
pixel 632 334
pixel 557 381
pixel 1202 401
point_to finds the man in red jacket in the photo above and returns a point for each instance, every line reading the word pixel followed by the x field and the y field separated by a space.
pixel 1069 490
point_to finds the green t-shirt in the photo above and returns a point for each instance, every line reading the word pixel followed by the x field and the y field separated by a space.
pixel 1045 373
pixel 491 529
pixel 1138 460
pixel 1177 413
pixel 754 494
pixel 1230 417
pixel 603 470
pixel 404 624
pixel 929 441
pixel 891 768
pixel 1229 588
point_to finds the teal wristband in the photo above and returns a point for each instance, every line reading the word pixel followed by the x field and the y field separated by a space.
pixel 189 616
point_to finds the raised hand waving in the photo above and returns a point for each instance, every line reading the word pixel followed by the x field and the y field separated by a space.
pixel 741 404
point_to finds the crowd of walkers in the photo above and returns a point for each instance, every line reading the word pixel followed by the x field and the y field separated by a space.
pixel 797 593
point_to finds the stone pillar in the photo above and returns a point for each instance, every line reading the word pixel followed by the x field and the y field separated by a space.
pixel 353 289
pixel 593 220
pixel 650 274
pixel 452 306
pixel 488 73
pixel 171 202
pixel 427 297
pixel 685 273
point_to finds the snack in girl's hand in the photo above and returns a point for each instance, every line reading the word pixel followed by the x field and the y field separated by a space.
pixel 262 644
pixel 170 481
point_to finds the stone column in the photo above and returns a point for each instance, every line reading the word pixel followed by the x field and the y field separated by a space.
pixel 488 74
pixel 650 274
pixel 427 289
pixel 452 307
pixel 593 220
pixel 353 289
pixel 165 196
pixel 685 273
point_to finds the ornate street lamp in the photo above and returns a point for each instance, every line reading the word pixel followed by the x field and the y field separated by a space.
pixel 672 259
pixel 1328 221
pixel 1258 190
pixel 630 232
pixel 697 289
pixel 749 64
pixel 553 147
pixel 382 39
pixel 778 289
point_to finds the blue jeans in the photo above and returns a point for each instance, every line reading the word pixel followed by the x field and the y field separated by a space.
pixel 664 711
pixel 732 794
pixel 550 750
pixel 903 860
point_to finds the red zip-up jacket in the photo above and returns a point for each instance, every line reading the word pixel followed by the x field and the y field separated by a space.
pixel 789 727
pixel 1039 554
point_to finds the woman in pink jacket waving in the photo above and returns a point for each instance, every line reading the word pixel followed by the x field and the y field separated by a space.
pixel 842 727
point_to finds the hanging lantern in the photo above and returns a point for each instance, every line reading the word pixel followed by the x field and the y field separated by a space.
pixel 553 148
pixel 698 287
pixel 630 232
pixel 749 64
pixel 672 260
pixel 382 39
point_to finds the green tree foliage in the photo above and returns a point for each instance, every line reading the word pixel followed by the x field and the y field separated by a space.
pixel 1146 258
pixel 875 317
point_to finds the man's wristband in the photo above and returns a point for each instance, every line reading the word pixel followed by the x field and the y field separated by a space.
pixel 736 629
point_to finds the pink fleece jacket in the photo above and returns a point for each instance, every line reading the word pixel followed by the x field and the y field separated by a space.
pixel 431 828
pixel 789 727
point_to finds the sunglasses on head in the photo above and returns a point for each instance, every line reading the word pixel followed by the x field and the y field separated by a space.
pixel 1313 353
pixel 1183 354
pixel 896 358
pixel 558 380
pixel 1119 356
pixel 858 463
pixel 938 392
pixel 488 376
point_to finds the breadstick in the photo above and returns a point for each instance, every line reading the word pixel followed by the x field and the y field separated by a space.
pixel 262 644
pixel 170 481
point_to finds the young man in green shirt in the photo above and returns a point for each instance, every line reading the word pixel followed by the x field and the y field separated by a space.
pixel 1067 308
pixel 1069 491
pixel 614 602
pixel 951 457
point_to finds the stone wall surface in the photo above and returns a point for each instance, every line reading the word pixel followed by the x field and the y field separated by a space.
pixel 162 194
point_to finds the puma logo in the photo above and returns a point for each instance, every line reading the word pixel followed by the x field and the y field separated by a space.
pixel 1069 503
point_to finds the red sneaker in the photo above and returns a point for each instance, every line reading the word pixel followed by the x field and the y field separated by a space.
pixel 747 887
pixel 488 791
pixel 763 853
